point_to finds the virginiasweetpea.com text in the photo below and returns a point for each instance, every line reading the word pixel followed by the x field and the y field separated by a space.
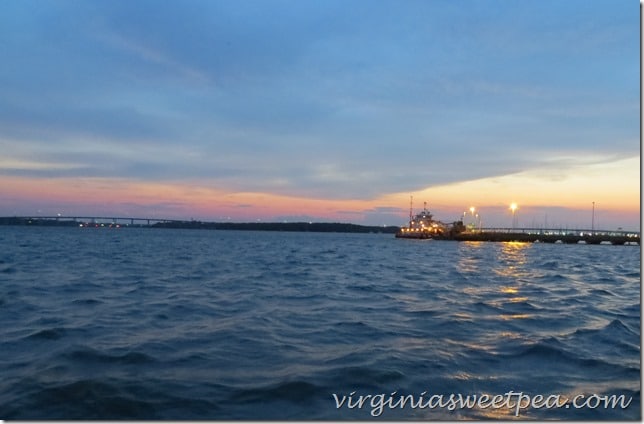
pixel 515 402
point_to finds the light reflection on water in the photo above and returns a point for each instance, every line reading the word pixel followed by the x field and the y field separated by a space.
pixel 512 259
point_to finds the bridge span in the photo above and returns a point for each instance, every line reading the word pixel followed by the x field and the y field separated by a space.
pixel 79 219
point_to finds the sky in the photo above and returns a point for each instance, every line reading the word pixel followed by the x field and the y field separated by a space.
pixel 303 110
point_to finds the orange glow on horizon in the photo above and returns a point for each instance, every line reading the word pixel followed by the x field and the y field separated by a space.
pixel 187 199
pixel 104 192
pixel 613 187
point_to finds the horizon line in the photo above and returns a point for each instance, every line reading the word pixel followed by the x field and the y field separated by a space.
pixel 192 220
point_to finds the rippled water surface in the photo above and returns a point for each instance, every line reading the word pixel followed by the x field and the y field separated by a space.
pixel 181 324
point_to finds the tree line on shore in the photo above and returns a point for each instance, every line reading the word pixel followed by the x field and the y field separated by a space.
pixel 329 227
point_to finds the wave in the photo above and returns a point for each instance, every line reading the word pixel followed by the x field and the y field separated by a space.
pixel 614 329
pixel 615 339
pixel 48 334
pixel 363 376
pixel 87 302
pixel 288 391
pixel 104 399
pixel 553 356
pixel 9 270
pixel 89 355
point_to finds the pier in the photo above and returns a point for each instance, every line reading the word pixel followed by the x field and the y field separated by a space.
pixel 539 235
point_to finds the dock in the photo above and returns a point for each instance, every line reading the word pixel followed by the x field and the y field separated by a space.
pixel 534 235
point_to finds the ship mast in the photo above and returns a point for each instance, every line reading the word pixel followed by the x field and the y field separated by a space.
pixel 411 205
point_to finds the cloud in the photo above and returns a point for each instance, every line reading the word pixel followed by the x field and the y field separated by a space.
pixel 327 100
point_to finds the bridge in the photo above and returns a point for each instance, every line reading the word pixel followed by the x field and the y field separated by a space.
pixel 82 220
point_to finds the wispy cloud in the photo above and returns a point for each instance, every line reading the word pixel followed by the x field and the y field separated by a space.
pixel 334 100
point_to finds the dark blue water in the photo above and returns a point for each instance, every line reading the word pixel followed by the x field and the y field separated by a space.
pixel 180 324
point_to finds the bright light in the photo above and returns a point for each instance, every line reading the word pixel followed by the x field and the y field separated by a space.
pixel 472 209
pixel 514 207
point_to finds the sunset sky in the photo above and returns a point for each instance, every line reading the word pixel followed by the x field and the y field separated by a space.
pixel 327 110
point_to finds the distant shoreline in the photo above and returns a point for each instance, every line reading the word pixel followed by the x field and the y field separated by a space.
pixel 313 227
pixel 320 227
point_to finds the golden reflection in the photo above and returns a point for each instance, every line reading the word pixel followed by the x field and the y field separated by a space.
pixel 510 335
pixel 512 258
pixel 518 299
pixel 501 414
pixel 509 290
pixel 473 243
pixel 511 265
pixel 475 291
pixel 463 316
pixel 463 376
pixel 468 259
pixel 514 248
pixel 509 317
pixel 470 345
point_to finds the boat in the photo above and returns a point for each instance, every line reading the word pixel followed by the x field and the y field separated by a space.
pixel 422 225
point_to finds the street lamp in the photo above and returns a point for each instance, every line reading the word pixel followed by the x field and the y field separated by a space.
pixel 473 219
pixel 513 208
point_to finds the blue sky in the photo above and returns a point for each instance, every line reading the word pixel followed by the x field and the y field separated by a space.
pixel 327 100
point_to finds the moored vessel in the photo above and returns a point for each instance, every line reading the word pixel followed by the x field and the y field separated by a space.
pixel 422 225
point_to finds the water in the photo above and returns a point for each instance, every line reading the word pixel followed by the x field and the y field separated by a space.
pixel 180 324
